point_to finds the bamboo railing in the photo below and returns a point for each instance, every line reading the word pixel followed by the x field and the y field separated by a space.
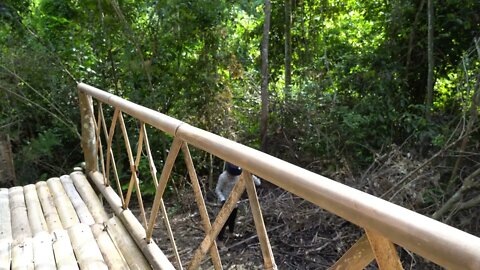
pixel 385 224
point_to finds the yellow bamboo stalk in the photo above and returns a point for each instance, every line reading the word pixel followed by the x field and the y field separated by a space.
pixel 98 127
pixel 113 258
pixel 357 257
pixel 19 218
pixel 65 209
pixel 268 259
pixel 5 254
pixel 78 204
pixel 149 249
pixel 43 251
pixel 111 156
pixel 133 169
pixel 62 248
pixel 89 197
pixel 167 169
pixel 202 208
pixel 48 207
pixel 35 214
pixel 126 244
pixel 22 255
pixel 222 217
pixel 85 247
pixel 384 250
pixel 5 221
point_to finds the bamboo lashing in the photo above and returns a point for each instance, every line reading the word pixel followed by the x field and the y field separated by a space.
pixel 133 170
pixel 202 208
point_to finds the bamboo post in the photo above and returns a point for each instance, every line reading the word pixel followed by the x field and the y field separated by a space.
pixel 384 250
pixel 357 257
pixel 268 259
pixel 222 217
pixel 202 208
pixel 89 145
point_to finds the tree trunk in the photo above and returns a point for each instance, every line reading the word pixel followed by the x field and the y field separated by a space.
pixel 430 78
pixel 7 171
pixel 288 48
pixel 265 74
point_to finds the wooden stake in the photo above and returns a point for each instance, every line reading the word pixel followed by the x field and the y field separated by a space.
pixel 384 250
pixel 268 259
pixel 357 257
pixel 222 217
pixel 88 131
pixel 202 208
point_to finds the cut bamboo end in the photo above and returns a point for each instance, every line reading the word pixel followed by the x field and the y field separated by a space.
pixel 18 211
pixel 65 209
pixel 48 206
pixel 5 221
pixel 62 248
pixel 85 247
pixel 22 255
pixel 110 252
pixel 38 223
pixel 89 197
pixel 78 204
pixel 43 251
pixel 127 246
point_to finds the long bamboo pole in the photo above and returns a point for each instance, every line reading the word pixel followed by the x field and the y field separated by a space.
pixel 437 242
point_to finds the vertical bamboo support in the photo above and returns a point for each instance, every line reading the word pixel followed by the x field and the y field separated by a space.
pixel 89 144
pixel 167 169
pixel 222 217
pixel 384 250
pixel 357 257
pixel 268 259
pixel 202 208
pixel 98 129
pixel 111 157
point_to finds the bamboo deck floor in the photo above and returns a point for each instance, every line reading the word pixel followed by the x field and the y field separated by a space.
pixel 61 224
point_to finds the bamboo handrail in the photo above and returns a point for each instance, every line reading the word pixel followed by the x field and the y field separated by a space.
pixel 431 239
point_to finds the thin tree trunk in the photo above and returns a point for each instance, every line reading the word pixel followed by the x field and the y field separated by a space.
pixel 265 74
pixel 430 78
pixel 7 171
pixel 288 48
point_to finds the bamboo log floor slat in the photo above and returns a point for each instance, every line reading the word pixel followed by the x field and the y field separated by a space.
pixel 61 224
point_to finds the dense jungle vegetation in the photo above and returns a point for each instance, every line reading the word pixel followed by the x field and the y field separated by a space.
pixel 381 95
